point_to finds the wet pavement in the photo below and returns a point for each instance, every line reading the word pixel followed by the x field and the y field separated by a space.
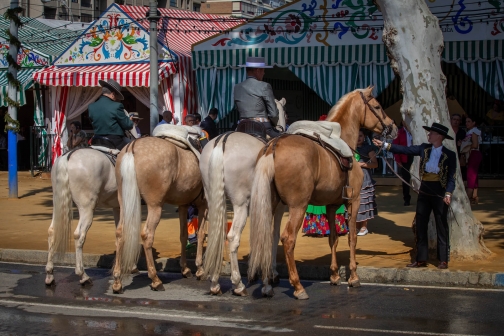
pixel 28 307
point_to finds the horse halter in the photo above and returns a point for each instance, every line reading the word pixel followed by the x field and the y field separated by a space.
pixel 387 129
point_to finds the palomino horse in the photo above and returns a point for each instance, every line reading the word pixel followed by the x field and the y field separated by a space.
pixel 230 173
pixel 86 177
pixel 298 172
pixel 162 173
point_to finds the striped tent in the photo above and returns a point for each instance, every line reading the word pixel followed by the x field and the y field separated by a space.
pixel 25 77
pixel 339 48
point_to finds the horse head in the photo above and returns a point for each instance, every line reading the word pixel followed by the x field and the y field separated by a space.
pixel 373 117
pixel 360 108
pixel 280 104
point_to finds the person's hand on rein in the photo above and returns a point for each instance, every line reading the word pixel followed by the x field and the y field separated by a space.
pixel 378 143
pixel 447 200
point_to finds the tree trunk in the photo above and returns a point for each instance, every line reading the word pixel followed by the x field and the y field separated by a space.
pixel 414 41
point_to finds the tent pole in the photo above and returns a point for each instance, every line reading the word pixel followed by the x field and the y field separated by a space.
pixel 12 136
pixel 154 75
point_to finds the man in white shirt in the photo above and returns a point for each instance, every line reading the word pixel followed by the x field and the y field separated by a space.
pixel 438 166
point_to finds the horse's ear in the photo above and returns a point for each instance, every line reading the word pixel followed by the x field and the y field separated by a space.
pixel 283 101
pixel 369 90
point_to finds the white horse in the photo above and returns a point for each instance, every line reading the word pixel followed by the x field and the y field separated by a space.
pixel 228 170
pixel 88 179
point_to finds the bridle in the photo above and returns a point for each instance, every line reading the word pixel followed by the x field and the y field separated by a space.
pixel 387 129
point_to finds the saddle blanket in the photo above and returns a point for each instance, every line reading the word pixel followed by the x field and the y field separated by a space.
pixel 329 132
pixel 179 136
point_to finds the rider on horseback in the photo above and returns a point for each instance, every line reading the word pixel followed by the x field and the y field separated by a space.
pixel 108 117
pixel 254 98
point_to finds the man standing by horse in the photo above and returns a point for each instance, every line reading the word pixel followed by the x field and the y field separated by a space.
pixel 438 165
pixel 254 98
pixel 108 117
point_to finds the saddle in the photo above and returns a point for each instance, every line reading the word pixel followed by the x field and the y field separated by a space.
pixel 101 141
pixel 110 153
pixel 253 128
pixel 327 135
pixel 185 137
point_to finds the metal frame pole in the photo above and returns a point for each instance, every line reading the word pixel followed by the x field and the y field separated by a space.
pixel 12 136
pixel 154 76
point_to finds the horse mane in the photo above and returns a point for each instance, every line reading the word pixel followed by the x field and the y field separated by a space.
pixel 343 100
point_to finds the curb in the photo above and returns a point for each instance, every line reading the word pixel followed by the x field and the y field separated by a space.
pixel 306 272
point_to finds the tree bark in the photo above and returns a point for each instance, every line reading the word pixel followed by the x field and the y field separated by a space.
pixel 414 41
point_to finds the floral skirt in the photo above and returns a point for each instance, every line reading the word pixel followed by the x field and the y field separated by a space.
pixel 318 225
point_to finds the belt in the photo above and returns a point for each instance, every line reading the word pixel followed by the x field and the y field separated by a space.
pixel 430 177
pixel 257 119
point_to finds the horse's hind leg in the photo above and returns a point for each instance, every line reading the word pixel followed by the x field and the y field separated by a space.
pixel 234 235
pixel 186 272
pixel 85 221
pixel 333 243
pixel 202 230
pixel 288 238
pixel 153 217
pixel 50 255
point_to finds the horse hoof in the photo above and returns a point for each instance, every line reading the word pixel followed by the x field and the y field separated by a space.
pixel 157 288
pixel 215 292
pixel 187 273
pixel 199 274
pixel 49 281
pixel 118 290
pixel 301 296
pixel 336 282
pixel 86 282
pixel 243 292
pixel 276 280
pixel 268 291
pixel 355 283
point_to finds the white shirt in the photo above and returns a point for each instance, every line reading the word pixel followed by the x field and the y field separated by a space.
pixel 432 165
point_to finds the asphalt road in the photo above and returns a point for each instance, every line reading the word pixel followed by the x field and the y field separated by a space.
pixel 28 307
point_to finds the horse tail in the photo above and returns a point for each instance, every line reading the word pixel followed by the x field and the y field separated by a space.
pixel 62 205
pixel 261 217
pixel 131 214
pixel 216 214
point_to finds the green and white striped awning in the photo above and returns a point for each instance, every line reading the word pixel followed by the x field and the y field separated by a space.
pixel 293 56
pixel 24 76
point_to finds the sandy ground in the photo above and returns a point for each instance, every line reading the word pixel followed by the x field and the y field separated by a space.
pixel 24 223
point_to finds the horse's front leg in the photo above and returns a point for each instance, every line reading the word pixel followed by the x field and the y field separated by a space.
pixel 354 280
pixel 202 229
pixel 186 271
pixel 277 222
pixel 333 244
pixel 149 229
pixel 234 235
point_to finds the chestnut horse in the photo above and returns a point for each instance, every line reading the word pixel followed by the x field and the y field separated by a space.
pixel 298 172
pixel 162 173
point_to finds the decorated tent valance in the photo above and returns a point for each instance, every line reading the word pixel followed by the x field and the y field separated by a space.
pixel 325 32
pixel 25 78
pixel 27 58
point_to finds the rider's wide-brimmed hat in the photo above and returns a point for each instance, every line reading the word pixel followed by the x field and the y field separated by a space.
pixel 256 62
pixel 438 128
pixel 113 86
pixel 135 115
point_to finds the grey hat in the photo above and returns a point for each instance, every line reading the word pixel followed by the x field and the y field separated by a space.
pixel 256 62
pixel 113 86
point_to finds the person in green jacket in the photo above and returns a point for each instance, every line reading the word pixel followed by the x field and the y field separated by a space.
pixel 108 116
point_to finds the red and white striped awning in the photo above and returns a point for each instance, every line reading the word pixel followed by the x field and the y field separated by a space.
pixel 125 74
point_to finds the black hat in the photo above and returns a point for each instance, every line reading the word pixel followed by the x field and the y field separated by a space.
pixel 113 86
pixel 438 128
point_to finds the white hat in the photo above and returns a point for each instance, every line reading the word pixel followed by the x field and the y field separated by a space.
pixel 256 62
